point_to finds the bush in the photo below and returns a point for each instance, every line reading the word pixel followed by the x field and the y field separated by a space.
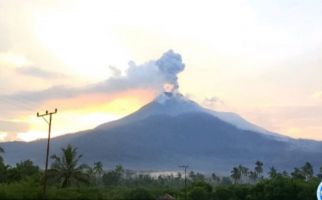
pixel 74 193
pixel 139 194
pixel 222 193
pixel 21 190
pixel 198 193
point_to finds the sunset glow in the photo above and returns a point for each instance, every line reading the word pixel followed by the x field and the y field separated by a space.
pixel 261 60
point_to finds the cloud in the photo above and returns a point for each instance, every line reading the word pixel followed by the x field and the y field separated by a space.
pixel 38 72
pixel 115 71
pixel 150 75
pixel 212 102
pixel 13 127
pixel 295 121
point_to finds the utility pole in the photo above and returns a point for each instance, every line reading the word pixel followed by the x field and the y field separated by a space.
pixel 185 167
pixel 48 143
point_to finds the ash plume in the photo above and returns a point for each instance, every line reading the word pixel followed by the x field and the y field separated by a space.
pixel 158 75
pixel 170 64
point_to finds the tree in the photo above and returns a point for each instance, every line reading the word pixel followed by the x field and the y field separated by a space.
pixel 252 176
pixel 215 178
pixel 139 194
pixel 98 168
pixel 119 169
pixel 298 174
pixel 235 174
pixel 200 190
pixel 259 169
pixel 285 174
pixel 96 173
pixel 272 172
pixel 243 172
pixel 222 193
pixel 307 170
pixel 21 171
pixel 25 169
pixel 198 193
pixel 65 169
pixel 113 177
pixel 320 173
pixel 282 189
pixel 1 152
pixel 3 167
pixel 226 181
pixel 196 176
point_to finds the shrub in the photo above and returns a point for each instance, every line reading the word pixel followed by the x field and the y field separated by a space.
pixel 139 194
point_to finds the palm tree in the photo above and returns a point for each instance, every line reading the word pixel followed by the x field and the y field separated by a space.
pixel 66 169
pixel 235 174
pixel 320 173
pixel 272 172
pixel 298 174
pixel 215 178
pixel 252 176
pixel 259 169
pixel 98 168
pixel 243 172
pixel 308 171
pixel 1 152
pixel 96 173
pixel 3 167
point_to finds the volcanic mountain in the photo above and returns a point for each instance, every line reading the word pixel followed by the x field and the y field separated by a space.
pixel 173 130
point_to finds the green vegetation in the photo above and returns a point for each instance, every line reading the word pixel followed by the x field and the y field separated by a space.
pixel 65 169
pixel 69 179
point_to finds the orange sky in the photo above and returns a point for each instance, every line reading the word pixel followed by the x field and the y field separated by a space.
pixel 86 111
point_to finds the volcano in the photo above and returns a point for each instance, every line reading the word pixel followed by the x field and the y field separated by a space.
pixel 173 130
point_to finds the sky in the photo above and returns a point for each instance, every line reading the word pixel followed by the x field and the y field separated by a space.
pixel 95 61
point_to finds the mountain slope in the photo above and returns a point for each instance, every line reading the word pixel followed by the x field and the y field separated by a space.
pixel 174 104
pixel 171 131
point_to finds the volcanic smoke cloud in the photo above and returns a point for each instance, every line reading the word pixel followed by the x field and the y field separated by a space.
pixel 158 75
pixel 170 64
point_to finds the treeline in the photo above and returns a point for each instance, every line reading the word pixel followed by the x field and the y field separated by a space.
pixel 69 179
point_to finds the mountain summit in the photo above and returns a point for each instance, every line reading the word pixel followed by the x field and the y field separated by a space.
pixel 174 104
pixel 173 130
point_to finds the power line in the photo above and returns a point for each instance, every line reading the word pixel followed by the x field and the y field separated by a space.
pixel 48 143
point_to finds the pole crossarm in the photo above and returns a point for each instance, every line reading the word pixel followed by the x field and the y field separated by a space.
pixel 47 113
pixel 184 166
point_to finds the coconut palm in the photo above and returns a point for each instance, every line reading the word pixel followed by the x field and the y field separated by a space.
pixel 244 171
pixel 259 169
pixel 272 172
pixel 1 152
pixel 235 174
pixel 96 173
pixel 308 171
pixel 98 168
pixel 252 176
pixel 66 170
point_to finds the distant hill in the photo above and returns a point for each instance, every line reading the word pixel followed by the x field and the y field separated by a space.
pixel 172 130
